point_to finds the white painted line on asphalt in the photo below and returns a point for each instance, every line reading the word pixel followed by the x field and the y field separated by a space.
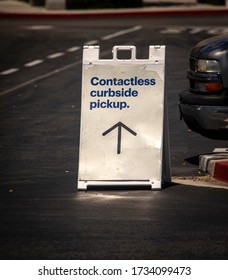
pixel 9 71
pixel 41 77
pixel 34 63
pixel 73 49
pixel 55 55
pixel 93 42
pixel 217 31
pixel 38 27
pixel 47 75
pixel 122 32
pixel 196 30
pixel 172 30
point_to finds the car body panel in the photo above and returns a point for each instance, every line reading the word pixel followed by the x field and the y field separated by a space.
pixel 206 113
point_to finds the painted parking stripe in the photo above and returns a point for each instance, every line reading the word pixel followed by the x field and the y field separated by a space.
pixel 55 55
pixel 34 63
pixel 172 30
pixel 38 27
pixel 122 32
pixel 47 75
pixel 93 42
pixel 41 77
pixel 73 49
pixel 196 30
pixel 9 71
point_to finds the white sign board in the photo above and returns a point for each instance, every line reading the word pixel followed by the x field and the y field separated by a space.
pixel 122 119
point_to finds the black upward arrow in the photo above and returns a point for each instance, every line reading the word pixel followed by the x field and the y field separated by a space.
pixel 119 125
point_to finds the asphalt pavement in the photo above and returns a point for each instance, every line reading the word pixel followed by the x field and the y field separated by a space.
pixel 41 221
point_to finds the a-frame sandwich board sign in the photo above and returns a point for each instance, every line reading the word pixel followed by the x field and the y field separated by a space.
pixel 124 130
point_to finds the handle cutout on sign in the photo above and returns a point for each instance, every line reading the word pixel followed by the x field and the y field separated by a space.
pixel 124 53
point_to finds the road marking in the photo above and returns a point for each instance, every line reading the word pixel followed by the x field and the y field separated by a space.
pixel 69 50
pixel 172 30
pixel 41 77
pixel 34 63
pixel 9 71
pixel 121 32
pixel 73 49
pixel 55 55
pixel 93 42
pixel 59 54
pixel 38 27
pixel 49 74
pixel 194 30
pixel 217 31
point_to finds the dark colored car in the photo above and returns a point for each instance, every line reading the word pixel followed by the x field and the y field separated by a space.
pixel 204 107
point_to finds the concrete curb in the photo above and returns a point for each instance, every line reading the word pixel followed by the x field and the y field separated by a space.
pixel 109 14
pixel 218 169
pixel 42 13
pixel 216 165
